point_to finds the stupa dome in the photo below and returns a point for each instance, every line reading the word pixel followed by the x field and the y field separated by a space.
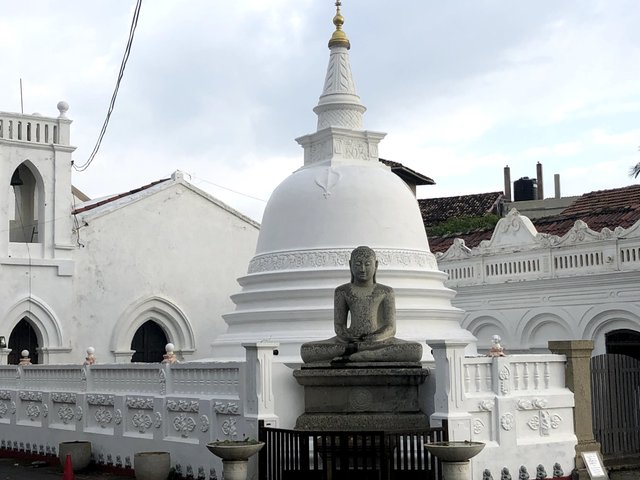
pixel 342 205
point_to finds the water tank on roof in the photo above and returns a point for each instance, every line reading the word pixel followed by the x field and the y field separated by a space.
pixel 525 188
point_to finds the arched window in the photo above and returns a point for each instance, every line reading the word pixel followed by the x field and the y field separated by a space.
pixel 27 208
pixel 623 342
pixel 23 337
pixel 149 342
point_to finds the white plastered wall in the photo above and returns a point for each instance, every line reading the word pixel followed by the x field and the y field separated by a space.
pixel 173 257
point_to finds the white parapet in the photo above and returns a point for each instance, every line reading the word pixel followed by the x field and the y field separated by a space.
pixel 126 408
pixel 518 405
pixel 517 252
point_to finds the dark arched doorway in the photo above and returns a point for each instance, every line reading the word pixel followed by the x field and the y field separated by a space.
pixel 623 342
pixel 23 337
pixel 149 342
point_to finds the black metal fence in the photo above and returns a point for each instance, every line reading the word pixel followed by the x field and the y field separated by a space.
pixel 296 454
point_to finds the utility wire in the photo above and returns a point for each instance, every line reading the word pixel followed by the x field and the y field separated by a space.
pixel 123 64
pixel 228 189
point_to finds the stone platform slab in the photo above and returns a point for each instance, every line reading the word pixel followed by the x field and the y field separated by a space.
pixel 361 397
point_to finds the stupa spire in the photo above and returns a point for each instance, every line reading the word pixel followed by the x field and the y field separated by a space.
pixel 339 104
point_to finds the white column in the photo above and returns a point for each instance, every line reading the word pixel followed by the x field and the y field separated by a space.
pixel 259 401
pixel 449 396
pixel 4 355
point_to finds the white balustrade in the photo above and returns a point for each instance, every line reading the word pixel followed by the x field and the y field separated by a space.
pixel 517 404
pixel 33 129
pixel 579 252
pixel 52 377
pixel 171 407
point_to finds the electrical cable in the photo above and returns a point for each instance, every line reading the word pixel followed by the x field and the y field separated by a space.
pixel 228 189
pixel 123 64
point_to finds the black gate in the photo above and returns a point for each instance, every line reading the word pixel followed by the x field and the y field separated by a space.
pixel 615 390
pixel 295 454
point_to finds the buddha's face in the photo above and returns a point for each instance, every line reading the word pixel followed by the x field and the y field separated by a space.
pixel 363 268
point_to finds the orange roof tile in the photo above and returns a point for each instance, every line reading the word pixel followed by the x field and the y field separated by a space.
pixel 117 197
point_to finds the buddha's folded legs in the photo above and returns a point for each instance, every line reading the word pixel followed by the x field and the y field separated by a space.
pixel 393 350
pixel 389 351
pixel 323 351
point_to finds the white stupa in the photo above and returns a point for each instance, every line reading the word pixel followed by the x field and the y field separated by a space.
pixel 342 197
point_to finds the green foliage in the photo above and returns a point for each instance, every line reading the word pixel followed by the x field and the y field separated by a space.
pixel 463 225
pixel 244 441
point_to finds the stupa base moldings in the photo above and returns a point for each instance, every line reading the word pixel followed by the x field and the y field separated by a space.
pixel 361 397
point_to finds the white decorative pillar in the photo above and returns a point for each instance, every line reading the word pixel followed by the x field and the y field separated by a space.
pixel 259 402
pixel 4 355
pixel 449 396
pixel 123 356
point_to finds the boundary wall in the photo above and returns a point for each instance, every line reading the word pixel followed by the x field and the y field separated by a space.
pixel 518 405
pixel 124 409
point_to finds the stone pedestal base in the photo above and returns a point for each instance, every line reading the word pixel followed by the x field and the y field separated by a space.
pixel 456 470
pixel 361 397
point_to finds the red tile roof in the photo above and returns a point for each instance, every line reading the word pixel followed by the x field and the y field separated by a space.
pixel 438 210
pixel 618 207
pixel 614 199
pixel 473 239
pixel 117 197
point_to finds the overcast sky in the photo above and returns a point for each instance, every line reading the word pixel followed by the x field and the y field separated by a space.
pixel 220 89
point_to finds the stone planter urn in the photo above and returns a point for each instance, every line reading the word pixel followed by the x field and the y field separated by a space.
pixel 455 457
pixel 235 456
pixel 152 465
pixel 80 452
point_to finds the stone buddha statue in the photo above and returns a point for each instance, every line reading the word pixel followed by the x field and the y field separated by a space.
pixel 364 320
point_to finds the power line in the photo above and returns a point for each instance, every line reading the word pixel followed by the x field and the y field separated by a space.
pixel 229 189
pixel 123 64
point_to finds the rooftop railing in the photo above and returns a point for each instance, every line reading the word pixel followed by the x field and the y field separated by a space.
pixel 36 128
pixel 580 252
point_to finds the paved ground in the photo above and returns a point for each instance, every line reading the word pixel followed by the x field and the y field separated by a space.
pixel 11 469
pixel 625 475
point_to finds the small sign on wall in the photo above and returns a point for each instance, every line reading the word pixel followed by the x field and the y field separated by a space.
pixel 593 462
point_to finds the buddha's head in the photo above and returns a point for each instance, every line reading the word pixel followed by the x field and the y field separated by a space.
pixel 363 265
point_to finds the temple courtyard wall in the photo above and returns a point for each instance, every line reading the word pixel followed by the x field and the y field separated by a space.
pixel 518 405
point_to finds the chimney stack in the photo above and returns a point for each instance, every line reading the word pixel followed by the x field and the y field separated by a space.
pixel 539 177
pixel 507 183
pixel 556 182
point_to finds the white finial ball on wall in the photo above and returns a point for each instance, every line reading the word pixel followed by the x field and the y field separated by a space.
pixel 63 107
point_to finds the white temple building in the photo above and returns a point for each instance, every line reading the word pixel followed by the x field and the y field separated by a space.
pixel 97 273
pixel 125 274
pixel 530 287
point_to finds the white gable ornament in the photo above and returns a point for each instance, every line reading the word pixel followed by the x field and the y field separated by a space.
pixel 457 251
pixel 581 233
pixel 512 230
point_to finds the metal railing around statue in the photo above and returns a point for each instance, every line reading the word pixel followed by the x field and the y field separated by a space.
pixel 325 455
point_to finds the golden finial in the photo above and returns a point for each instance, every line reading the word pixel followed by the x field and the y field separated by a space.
pixel 339 38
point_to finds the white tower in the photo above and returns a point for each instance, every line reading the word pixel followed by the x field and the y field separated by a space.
pixel 35 167
pixel 340 198
pixel 36 244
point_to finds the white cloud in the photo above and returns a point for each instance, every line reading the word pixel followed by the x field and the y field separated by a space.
pixel 629 138
pixel 565 149
pixel 222 88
